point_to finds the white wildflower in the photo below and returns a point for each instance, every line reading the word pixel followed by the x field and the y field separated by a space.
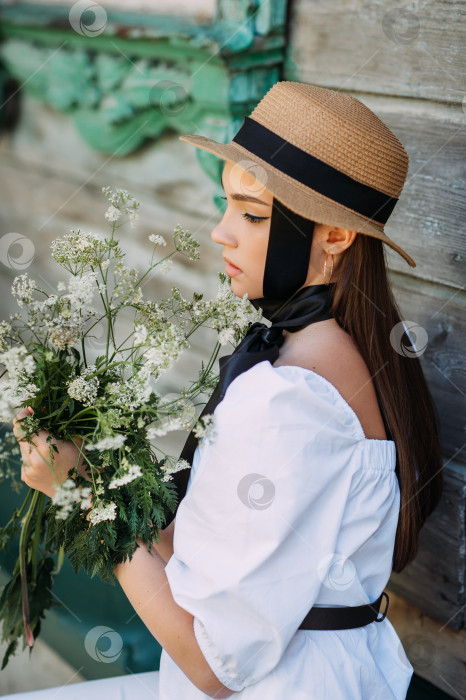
pixel 22 288
pixel 134 472
pixel 8 402
pixel 184 241
pixel 67 495
pixel 5 329
pixel 102 512
pixel 105 264
pixel 66 331
pixel 205 428
pixel 124 202
pixel 157 240
pixel 166 426
pixel 166 266
pixel 81 289
pixel 109 443
pixel 112 214
pixel 140 335
pixel 181 464
pixel 84 388
pixel 226 335
pixel 79 248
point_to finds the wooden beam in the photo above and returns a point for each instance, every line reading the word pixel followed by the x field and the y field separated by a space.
pixel 436 652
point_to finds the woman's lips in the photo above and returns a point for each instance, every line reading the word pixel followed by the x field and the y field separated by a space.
pixel 231 269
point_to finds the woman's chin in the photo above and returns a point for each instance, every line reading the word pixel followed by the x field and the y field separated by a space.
pixel 240 289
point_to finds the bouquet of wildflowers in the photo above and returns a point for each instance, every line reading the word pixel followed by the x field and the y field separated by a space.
pixel 107 405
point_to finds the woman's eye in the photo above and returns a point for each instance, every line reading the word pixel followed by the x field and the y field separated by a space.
pixel 254 219
pixel 250 217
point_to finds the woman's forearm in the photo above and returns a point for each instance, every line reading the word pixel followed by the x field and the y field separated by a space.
pixel 145 583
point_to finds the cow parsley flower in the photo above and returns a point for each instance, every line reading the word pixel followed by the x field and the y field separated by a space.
pixel 65 331
pixel 184 241
pixel 112 214
pixel 67 495
pixel 205 428
pixel 134 472
pixel 109 443
pixel 5 330
pixel 22 289
pixel 84 388
pixel 81 290
pixel 166 266
pixel 226 335
pixel 79 249
pixel 157 240
pixel 123 202
pixel 103 512
pixel 180 464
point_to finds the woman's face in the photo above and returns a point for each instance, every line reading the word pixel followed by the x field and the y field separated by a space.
pixel 244 229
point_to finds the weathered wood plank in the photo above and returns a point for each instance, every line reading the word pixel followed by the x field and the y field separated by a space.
pixel 366 45
pixel 436 652
pixel 434 581
pixel 439 310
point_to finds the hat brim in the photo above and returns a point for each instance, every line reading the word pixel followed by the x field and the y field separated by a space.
pixel 293 194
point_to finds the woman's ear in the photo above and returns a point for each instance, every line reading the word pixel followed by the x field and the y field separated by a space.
pixel 339 239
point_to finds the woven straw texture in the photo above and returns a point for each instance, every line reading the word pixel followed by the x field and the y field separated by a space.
pixel 339 130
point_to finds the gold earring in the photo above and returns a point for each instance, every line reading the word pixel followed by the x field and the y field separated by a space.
pixel 324 271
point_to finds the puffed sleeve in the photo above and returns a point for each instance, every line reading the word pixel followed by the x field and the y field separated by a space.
pixel 256 531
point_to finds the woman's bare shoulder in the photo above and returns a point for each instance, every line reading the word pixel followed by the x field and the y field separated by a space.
pixel 328 350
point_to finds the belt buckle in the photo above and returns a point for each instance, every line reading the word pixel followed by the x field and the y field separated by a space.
pixel 377 619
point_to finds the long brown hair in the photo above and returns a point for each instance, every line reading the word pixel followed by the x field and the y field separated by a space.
pixel 364 306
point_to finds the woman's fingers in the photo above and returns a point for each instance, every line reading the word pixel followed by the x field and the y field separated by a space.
pixel 18 429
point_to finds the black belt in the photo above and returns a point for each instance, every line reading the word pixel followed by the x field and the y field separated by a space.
pixel 344 618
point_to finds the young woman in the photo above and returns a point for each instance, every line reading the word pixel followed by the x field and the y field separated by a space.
pixel 326 463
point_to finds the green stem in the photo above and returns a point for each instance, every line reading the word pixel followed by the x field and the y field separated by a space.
pixel 23 542
pixel 35 541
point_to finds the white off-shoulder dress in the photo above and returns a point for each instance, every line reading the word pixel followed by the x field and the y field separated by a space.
pixel 288 507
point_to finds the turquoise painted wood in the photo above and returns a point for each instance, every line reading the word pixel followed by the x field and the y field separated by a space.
pixel 144 74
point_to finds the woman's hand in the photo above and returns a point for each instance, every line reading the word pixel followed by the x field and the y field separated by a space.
pixel 36 470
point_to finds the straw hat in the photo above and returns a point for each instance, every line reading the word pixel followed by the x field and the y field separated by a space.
pixel 323 154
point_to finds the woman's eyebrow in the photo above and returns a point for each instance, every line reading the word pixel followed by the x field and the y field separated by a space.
pixel 245 197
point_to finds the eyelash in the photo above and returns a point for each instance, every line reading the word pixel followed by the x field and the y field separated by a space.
pixel 250 217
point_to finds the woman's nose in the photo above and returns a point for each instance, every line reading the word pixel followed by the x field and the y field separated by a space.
pixel 223 234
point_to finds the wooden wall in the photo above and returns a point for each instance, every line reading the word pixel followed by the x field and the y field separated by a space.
pixel 407 64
